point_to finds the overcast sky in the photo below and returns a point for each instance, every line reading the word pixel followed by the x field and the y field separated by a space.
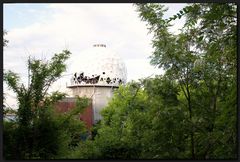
pixel 40 30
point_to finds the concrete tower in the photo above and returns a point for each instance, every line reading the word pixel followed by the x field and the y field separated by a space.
pixel 96 73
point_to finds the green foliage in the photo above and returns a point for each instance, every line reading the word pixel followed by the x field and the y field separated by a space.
pixel 9 147
pixel 190 111
pixel 40 132
pixel 5 41
pixel 208 34
pixel 8 110
pixel 187 113
pixel 163 137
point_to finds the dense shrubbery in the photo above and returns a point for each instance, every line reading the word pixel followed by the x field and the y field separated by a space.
pixel 187 113
pixel 190 111
pixel 39 132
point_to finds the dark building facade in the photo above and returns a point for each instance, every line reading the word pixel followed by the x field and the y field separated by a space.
pixel 69 103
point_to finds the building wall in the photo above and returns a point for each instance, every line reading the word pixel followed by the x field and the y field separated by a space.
pixel 69 103
pixel 100 96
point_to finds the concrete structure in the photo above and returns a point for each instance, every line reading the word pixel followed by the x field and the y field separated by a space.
pixel 96 73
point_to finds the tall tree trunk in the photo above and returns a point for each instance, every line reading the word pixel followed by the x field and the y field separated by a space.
pixel 190 117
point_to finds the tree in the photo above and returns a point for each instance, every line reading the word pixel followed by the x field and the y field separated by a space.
pixel 115 137
pixel 142 121
pixel 40 133
pixel 123 121
pixel 166 135
pixel 5 41
pixel 190 111
pixel 208 35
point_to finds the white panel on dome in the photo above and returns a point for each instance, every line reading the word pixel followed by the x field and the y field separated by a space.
pixel 90 65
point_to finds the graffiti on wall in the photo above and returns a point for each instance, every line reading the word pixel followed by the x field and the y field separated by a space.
pixel 94 79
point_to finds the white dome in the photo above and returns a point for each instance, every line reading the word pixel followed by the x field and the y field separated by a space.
pixel 98 66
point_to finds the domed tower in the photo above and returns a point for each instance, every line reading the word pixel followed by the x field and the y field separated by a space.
pixel 96 73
